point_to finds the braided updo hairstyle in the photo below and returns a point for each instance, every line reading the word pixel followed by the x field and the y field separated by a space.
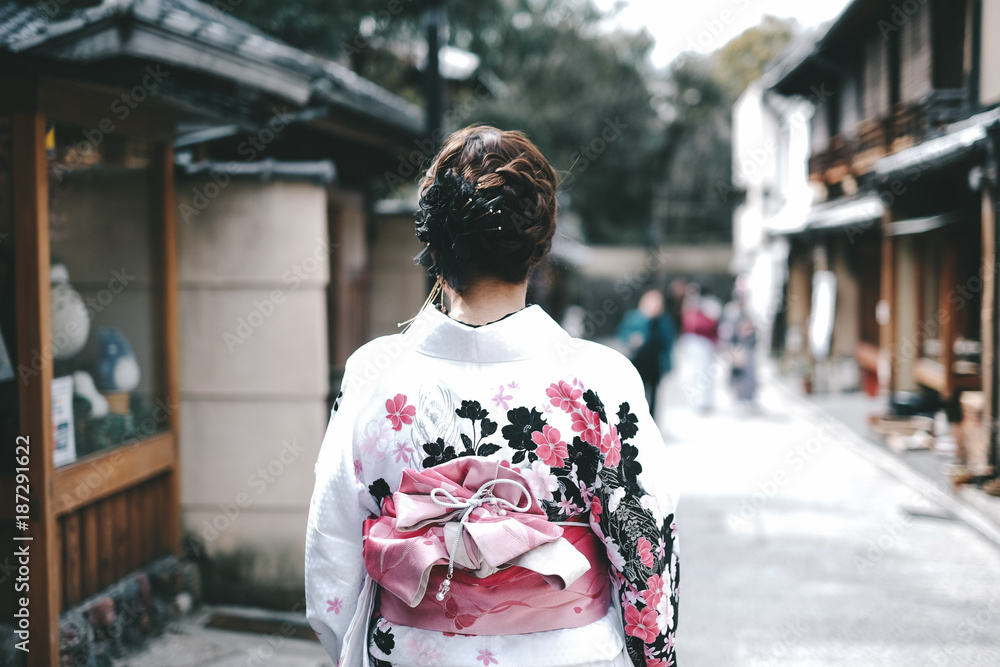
pixel 487 208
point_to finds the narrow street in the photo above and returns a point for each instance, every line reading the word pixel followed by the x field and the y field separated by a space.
pixel 798 551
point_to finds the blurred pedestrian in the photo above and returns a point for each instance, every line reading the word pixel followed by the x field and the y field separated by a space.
pixel 675 301
pixel 491 490
pixel 648 333
pixel 700 326
pixel 739 333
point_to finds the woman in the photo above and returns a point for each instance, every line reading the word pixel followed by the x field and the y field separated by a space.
pixel 489 489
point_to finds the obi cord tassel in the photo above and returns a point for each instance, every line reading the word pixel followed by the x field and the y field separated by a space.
pixel 435 292
pixel 484 496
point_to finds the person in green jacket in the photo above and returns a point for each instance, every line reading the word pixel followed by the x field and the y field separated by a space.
pixel 648 333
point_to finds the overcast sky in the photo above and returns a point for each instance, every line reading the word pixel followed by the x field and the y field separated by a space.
pixel 705 25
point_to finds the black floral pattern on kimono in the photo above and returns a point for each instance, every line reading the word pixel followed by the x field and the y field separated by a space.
pixel 523 423
pixel 473 411
pixel 599 478
pixel 380 490
pixel 439 452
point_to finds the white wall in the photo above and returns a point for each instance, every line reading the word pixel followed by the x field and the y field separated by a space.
pixel 253 270
pixel 771 145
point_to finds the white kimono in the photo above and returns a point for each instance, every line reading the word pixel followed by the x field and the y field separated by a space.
pixel 570 414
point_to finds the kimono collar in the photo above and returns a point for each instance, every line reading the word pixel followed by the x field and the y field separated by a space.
pixel 528 333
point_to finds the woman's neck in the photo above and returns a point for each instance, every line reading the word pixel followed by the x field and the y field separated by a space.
pixel 486 301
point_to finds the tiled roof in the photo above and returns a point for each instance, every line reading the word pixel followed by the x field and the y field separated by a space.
pixel 321 171
pixel 30 28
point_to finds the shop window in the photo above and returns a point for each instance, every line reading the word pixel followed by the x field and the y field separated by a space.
pixel 949 301
pixel 930 313
pixel 107 319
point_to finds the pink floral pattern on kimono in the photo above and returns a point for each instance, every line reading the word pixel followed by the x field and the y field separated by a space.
pixel 399 412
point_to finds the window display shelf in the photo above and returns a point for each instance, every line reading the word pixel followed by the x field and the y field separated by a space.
pixel 110 472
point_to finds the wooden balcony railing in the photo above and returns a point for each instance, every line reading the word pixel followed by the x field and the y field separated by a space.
pixel 872 139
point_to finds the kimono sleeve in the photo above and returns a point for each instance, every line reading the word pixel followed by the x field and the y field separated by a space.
pixel 633 511
pixel 334 567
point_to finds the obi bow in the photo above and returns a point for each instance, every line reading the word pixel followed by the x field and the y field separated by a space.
pixel 471 512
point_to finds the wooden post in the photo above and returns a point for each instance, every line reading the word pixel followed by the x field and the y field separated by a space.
pixel 34 353
pixel 887 329
pixel 949 278
pixel 989 314
pixel 990 203
pixel 164 203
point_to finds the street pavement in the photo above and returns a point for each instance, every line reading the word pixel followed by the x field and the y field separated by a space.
pixel 188 643
pixel 797 548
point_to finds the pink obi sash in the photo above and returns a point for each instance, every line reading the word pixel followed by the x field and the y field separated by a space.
pixel 465 547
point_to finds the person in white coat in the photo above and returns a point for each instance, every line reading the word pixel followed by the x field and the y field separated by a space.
pixel 491 490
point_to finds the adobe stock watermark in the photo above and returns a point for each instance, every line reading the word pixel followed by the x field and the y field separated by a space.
pixel 252 145
pixel 960 296
pixel 750 162
pixel 888 194
pixel 626 287
pixel 893 531
pixel 781 649
pixel 795 462
pixel 61 338
pixel 103 469
pixel 965 633
pixel 587 154
pixel 707 39
pixel 121 108
pixel 110 622
pixel 890 536
pixel 899 16
pixel 264 309
pixel 259 482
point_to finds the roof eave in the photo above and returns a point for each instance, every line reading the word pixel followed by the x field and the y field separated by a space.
pixel 106 34
pixel 963 139
pixel 107 40
pixel 797 80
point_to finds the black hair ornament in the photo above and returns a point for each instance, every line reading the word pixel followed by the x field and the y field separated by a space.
pixel 450 212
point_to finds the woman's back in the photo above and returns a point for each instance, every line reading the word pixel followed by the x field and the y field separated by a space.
pixel 563 412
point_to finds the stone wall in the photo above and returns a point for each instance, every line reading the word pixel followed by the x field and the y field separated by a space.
pixel 253 271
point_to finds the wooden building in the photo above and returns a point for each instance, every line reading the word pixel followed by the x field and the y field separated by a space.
pixel 115 264
pixel 903 169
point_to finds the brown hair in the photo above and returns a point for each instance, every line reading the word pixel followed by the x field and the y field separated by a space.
pixel 500 163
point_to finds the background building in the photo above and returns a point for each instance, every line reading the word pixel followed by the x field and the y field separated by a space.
pixel 890 271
